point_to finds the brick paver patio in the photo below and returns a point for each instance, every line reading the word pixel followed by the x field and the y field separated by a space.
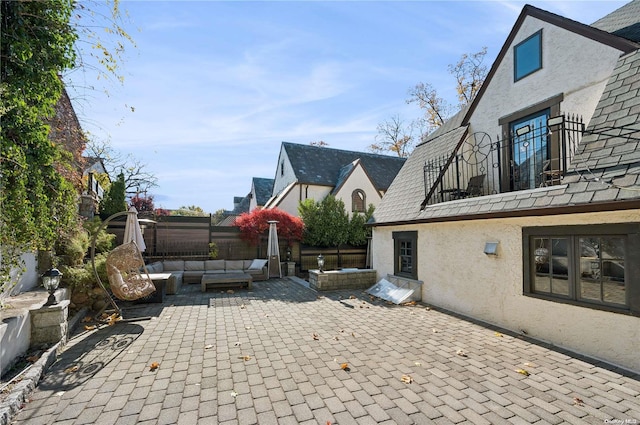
pixel 275 355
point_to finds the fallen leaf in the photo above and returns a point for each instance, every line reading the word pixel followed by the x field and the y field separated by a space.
pixel 418 364
pixel 315 336
pixel 345 367
pixel 578 401
pixel 89 328
pixel 87 319
pixel 33 359
pixel 113 319
pixel 522 372
pixel 247 327
pixel 498 334
pixel 231 291
pixel 245 358
pixel 208 346
pixel 154 366
pixel 434 330
pixel 406 379
pixel 233 394
pixel 529 364
pixel 428 309
pixel 328 423
pixel 336 338
pixel 410 303
pixel 59 394
pixel 461 353
pixel 71 369
pixel 353 334
pixel 242 307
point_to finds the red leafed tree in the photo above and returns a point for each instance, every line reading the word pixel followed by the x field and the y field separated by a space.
pixel 143 203
pixel 255 224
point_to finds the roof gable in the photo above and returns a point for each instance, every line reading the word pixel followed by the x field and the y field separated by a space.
pixel 263 189
pixel 323 166
pixel 576 27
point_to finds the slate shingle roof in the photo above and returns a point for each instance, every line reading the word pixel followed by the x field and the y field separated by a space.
pixel 622 22
pixel 322 165
pixel 263 188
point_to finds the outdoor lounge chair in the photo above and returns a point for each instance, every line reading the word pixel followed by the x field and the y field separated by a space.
pixel 474 188
pixel 123 270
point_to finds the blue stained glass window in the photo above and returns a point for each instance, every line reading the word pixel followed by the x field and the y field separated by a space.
pixel 528 56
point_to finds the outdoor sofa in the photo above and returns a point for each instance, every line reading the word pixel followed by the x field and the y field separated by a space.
pixel 191 271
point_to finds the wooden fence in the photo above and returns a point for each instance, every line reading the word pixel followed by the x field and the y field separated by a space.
pixel 189 238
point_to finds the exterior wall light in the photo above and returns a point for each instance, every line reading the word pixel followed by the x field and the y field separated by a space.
pixel 491 248
pixel 320 263
pixel 50 280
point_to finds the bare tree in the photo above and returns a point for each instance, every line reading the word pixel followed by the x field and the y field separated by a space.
pixel 395 135
pixel 469 72
pixel 137 178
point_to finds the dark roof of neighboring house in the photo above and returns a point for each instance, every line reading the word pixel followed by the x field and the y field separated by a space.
pixel 263 188
pixel 241 204
pixel 322 165
pixel 622 22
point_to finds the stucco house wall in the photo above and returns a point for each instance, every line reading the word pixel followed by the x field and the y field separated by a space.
pixel 358 179
pixel 572 65
pixel 458 276
pixel 284 173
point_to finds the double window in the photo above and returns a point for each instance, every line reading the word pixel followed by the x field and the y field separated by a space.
pixel 405 249
pixel 527 56
pixel 593 266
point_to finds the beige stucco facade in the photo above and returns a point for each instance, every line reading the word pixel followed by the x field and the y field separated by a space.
pixel 458 276
pixel 358 180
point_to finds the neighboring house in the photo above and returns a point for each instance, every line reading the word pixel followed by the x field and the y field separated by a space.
pixel 65 130
pixel 312 172
pixel 261 189
pixel 92 192
pixel 523 211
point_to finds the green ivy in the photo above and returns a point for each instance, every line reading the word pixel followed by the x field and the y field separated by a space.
pixel 37 203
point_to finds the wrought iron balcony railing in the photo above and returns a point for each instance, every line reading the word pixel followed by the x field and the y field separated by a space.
pixel 528 158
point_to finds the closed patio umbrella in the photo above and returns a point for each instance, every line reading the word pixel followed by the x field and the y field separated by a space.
pixel 132 230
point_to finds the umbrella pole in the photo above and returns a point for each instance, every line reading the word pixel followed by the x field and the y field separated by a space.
pixel 117 309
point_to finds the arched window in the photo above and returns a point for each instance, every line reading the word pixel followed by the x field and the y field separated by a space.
pixel 358 201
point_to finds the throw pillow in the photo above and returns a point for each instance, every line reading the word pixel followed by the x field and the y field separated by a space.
pixel 257 264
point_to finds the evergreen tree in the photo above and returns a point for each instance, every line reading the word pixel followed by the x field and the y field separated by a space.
pixel 114 200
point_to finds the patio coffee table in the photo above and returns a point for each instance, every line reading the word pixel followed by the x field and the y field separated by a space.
pixel 224 279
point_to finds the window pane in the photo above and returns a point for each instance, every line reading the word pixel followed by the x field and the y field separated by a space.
pixel 406 256
pixel 542 280
pixel 528 56
pixel 559 266
pixel 612 251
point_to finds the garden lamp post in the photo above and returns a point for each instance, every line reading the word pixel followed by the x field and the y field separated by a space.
pixel 50 280
pixel 320 263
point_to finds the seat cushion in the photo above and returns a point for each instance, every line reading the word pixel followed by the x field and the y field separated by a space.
pixel 234 265
pixel 173 265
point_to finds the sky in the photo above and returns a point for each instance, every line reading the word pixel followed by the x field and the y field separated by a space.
pixel 212 88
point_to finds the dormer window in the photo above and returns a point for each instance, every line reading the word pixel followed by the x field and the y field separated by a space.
pixel 527 56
